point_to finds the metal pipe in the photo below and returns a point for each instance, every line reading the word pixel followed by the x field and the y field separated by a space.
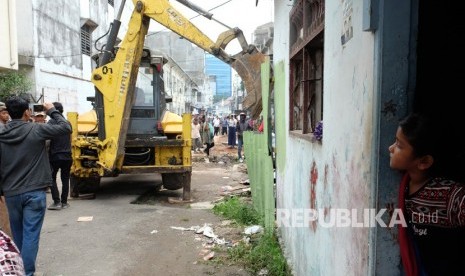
pixel 120 11
pixel 201 11
pixel 106 57
pixel 12 30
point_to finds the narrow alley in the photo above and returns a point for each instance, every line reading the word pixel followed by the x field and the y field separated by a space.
pixel 116 237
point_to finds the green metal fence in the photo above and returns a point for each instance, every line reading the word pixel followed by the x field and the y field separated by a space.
pixel 257 150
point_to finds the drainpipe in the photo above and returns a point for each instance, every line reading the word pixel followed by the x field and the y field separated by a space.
pixel 12 32
pixel 370 24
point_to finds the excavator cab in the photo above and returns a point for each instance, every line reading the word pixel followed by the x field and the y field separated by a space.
pixel 149 97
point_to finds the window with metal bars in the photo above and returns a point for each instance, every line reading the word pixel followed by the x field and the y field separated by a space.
pixel 306 66
pixel 86 40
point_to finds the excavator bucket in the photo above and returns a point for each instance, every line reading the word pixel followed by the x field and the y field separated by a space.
pixel 248 67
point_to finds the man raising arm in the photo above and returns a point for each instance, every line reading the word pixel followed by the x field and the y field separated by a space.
pixel 25 173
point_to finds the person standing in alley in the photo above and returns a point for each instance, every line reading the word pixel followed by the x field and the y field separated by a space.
pixel 195 135
pixel 25 173
pixel 224 126
pixel 60 160
pixel 207 133
pixel 232 122
pixel 216 125
pixel 242 125
pixel 4 116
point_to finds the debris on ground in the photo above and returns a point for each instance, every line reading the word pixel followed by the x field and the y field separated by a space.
pixel 179 200
pixel 254 229
pixel 89 218
pixel 209 256
pixel 217 238
pixel 245 182
pixel 202 205
pixel 192 228
pixel 226 222
pixel 236 190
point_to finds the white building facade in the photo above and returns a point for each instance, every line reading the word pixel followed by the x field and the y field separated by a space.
pixel 55 45
pixel 182 89
pixel 8 46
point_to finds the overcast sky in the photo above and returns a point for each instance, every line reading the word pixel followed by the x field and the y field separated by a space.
pixel 243 14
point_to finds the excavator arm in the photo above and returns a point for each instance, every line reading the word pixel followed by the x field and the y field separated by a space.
pixel 115 81
pixel 246 63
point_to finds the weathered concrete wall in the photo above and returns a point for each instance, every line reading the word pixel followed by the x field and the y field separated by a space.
pixel 49 47
pixel 26 32
pixel 58 33
pixel 335 173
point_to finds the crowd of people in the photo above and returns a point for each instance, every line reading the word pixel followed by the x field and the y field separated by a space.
pixel 204 130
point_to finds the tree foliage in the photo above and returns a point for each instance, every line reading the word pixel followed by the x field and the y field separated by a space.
pixel 13 83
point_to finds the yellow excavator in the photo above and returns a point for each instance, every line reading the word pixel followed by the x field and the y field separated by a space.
pixel 128 131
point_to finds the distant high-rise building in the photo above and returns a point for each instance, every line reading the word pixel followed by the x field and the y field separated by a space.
pixel 219 71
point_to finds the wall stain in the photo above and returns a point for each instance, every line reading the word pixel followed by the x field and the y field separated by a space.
pixel 313 181
pixel 326 212
pixel 336 177
pixel 325 179
pixel 389 107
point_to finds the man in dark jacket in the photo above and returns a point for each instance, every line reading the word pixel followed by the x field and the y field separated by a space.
pixel 60 160
pixel 25 173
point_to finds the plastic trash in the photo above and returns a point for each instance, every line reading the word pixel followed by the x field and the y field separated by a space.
pixel 253 229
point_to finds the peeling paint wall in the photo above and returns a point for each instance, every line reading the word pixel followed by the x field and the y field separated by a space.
pixel 58 65
pixel 334 174
pixel 58 32
pixel 25 28
pixel 49 47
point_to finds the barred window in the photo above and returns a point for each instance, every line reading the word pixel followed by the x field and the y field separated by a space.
pixel 86 40
pixel 306 66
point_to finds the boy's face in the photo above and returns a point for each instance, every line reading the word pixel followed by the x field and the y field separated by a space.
pixel 401 153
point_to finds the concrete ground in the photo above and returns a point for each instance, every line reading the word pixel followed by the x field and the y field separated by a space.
pixel 121 238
